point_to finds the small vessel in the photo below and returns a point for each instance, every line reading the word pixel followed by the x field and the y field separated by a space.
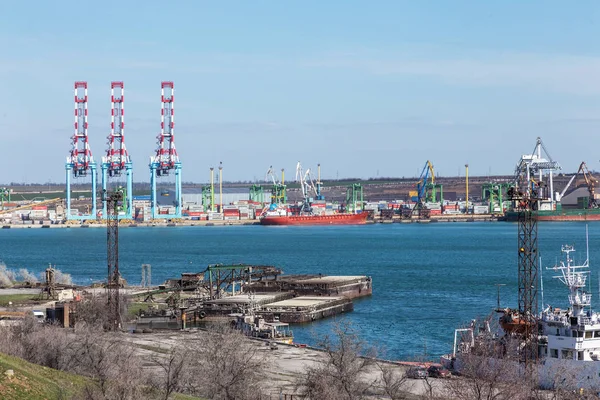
pixel 511 321
pixel 253 325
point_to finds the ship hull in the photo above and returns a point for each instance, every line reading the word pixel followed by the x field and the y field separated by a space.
pixel 558 216
pixel 335 219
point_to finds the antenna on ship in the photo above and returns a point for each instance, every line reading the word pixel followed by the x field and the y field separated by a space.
pixel 541 282
pixel 587 246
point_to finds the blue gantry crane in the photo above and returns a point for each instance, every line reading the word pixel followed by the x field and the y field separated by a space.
pixel 166 159
pixel 80 163
pixel 117 158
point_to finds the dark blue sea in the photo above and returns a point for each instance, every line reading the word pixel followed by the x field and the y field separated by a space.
pixel 428 279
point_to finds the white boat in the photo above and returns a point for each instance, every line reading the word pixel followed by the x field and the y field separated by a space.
pixel 253 325
pixel 568 340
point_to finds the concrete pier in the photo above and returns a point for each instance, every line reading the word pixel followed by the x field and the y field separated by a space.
pixel 317 285
pixel 305 309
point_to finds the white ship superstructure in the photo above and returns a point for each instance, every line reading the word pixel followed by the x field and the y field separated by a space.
pixel 572 334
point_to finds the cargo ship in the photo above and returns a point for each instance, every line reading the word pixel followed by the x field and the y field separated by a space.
pixel 564 215
pixel 303 212
pixel 312 219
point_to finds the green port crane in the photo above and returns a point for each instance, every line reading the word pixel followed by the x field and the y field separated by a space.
pixel 354 197
pixel 4 196
pixel 495 194
pixel 257 194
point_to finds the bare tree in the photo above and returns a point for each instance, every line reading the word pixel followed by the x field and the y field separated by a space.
pixel 344 372
pixel 37 343
pixel 225 365
pixel 94 312
pixel 490 373
pixel 172 369
pixel 393 382
pixel 113 366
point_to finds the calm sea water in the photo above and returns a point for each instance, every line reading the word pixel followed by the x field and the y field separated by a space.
pixel 427 279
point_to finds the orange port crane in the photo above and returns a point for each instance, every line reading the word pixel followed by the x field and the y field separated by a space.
pixel 591 183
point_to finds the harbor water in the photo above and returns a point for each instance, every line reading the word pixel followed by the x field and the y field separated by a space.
pixel 428 279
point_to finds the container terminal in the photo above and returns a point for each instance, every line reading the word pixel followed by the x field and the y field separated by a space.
pixel 165 200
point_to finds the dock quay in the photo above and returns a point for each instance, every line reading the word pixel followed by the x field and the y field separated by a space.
pixel 222 291
pixel 305 309
pixel 317 285
pixel 275 306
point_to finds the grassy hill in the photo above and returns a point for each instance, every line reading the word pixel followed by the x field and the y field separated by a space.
pixel 31 381
pixel 34 382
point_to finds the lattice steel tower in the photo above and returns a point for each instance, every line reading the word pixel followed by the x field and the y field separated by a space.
pixel 113 281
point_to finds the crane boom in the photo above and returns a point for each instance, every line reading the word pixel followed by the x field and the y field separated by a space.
pixel 566 187
pixel 270 174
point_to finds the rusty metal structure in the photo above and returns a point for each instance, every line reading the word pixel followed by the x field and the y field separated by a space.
pixel 591 183
pixel 526 199
pixel 113 282
pixel 224 278
pixel 49 288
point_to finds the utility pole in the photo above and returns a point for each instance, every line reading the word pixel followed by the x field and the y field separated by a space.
pixel 498 286
pixel 221 186
pixel 467 189
pixel 212 189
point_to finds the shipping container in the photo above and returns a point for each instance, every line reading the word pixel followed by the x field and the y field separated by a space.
pixel 480 209
pixel 215 216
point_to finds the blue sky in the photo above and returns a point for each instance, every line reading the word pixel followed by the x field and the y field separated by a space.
pixel 365 88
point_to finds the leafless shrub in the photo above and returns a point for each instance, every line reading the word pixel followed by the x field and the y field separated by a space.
pixel 393 382
pixel 7 276
pixel 343 374
pixel 62 277
pixel 113 365
pixel 37 343
pixel 27 276
pixel 225 365
pixel 172 371
pixel 484 376
pixel 93 312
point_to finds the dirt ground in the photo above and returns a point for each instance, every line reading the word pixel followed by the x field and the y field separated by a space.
pixel 286 362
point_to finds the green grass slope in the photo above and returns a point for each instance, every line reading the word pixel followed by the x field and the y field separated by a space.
pixel 34 382
pixel 31 381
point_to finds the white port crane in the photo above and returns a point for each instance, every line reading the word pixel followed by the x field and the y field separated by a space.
pixel 271 174
pixel 306 181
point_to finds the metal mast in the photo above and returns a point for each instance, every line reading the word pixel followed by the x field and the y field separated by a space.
pixel 166 159
pixel 117 158
pixel 526 197
pixel 81 161
pixel 113 281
